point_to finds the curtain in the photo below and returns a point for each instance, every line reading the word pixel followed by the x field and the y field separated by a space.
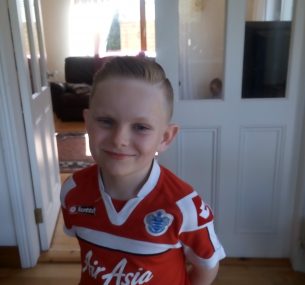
pixel 90 22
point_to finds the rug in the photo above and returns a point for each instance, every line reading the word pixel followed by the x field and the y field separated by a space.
pixel 72 153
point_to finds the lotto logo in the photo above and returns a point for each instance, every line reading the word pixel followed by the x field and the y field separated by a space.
pixel 73 210
pixel 85 210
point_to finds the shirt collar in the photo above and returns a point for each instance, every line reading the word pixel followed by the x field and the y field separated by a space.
pixel 148 186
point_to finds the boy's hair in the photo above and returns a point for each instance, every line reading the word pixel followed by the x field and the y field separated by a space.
pixel 131 67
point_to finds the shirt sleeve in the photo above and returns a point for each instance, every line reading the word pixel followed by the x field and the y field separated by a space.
pixel 197 234
pixel 67 186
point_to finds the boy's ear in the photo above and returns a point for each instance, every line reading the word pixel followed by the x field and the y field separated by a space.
pixel 168 136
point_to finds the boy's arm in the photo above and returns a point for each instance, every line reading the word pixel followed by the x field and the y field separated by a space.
pixel 201 275
pixel 201 246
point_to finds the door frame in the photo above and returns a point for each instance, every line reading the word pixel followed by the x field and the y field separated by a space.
pixel 16 153
pixel 297 255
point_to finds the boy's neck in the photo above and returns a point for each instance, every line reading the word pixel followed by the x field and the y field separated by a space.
pixel 126 187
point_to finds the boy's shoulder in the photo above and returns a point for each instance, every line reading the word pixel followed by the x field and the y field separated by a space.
pixel 196 213
pixel 85 174
pixel 177 185
pixel 82 177
pixel 79 181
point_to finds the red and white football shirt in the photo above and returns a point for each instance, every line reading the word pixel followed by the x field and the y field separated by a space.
pixel 149 240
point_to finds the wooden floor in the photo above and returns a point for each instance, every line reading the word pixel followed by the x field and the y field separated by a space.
pixel 68 126
pixel 61 264
pixel 232 272
pixel 63 248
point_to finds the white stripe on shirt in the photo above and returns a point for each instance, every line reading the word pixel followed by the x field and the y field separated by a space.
pixel 111 241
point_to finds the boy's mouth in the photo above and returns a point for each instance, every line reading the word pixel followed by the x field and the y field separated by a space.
pixel 118 155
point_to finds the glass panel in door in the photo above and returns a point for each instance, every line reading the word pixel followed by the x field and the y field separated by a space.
pixel 201 31
pixel 27 8
pixel 266 48
pixel 25 42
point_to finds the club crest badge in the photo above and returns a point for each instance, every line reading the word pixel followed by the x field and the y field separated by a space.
pixel 158 222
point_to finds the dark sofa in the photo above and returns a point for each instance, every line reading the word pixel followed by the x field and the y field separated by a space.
pixel 71 97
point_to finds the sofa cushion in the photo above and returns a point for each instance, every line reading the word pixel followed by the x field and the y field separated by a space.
pixel 79 69
pixel 78 88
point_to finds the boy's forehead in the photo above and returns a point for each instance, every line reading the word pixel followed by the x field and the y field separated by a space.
pixel 136 90
pixel 123 87
pixel 123 81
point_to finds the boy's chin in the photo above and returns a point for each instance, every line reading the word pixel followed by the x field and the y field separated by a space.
pixel 119 170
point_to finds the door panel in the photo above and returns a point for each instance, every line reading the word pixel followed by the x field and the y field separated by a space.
pixel 258 181
pixel 200 165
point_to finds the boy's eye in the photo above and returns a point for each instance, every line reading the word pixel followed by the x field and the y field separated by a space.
pixel 106 122
pixel 141 127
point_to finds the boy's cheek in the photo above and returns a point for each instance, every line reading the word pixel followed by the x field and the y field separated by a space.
pixel 93 128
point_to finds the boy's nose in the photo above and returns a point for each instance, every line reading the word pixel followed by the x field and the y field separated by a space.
pixel 121 137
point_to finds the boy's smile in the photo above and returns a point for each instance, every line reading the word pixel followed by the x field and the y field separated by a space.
pixel 117 155
pixel 127 124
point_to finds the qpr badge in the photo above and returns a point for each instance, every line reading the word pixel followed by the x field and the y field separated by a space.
pixel 158 222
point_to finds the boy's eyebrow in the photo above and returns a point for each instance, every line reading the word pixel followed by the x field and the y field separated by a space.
pixel 100 112
pixel 141 119
pixel 101 116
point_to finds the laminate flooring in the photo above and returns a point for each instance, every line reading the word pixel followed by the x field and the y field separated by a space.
pixel 232 272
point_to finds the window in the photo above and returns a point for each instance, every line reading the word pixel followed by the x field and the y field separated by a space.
pixel 105 27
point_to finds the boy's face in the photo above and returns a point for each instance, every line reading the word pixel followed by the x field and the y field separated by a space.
pixel 127 124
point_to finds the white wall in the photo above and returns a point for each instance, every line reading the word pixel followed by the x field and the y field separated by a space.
pixel 55 16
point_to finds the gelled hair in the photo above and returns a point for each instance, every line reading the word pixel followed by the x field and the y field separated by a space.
pixel 139 68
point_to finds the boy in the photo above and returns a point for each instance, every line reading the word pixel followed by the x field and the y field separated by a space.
pixel 136 222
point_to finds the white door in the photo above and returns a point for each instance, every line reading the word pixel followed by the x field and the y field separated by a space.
pixel 237 152
pixel 38 115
